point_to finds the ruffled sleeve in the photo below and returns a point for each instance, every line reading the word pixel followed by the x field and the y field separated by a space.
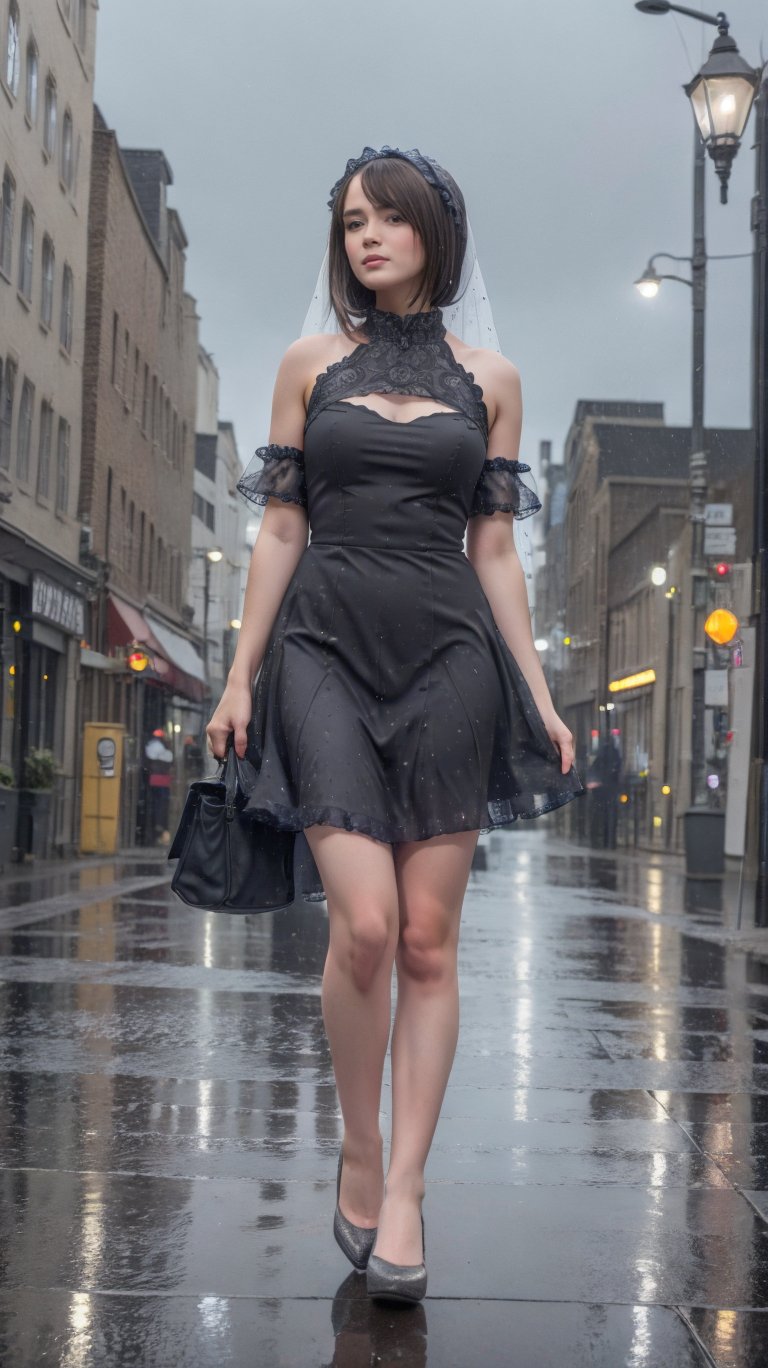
pixel 500 489
pixel 275 470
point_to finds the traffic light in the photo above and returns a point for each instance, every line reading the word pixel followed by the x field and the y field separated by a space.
pixel 721 570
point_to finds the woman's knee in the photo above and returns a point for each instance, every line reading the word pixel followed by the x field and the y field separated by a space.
pixel 364 944
pixel 427 946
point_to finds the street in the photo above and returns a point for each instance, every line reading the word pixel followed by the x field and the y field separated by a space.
pixel 596 1188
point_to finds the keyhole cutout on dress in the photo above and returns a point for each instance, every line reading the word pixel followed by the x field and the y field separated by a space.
pixel 391 406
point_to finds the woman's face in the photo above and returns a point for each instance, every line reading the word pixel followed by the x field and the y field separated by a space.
pixel 385 253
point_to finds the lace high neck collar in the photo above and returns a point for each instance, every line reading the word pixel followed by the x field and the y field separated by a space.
pixel 403 330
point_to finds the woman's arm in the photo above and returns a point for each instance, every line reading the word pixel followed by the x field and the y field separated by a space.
pixel 492 552
pixel 279 546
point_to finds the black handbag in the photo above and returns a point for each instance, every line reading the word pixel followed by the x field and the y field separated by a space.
pixel 227 861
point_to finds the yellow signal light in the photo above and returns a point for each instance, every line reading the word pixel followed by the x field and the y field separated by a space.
pixel 721 626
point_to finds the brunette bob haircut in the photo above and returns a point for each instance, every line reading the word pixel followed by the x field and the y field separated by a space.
pixel 395 183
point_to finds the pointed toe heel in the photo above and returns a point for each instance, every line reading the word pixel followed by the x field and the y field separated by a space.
pixel 354 1241
pixel 402 1283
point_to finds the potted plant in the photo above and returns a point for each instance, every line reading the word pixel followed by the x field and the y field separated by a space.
pixel 39 771
pixel 9 807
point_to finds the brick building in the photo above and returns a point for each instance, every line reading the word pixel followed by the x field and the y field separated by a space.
pixel 626 477
pixel 46 111
pixel 136 485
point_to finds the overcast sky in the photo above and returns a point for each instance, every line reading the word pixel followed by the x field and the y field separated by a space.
pixel 565 124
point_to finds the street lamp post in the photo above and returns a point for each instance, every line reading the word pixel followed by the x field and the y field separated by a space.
pixel 721 95
pixel 209 557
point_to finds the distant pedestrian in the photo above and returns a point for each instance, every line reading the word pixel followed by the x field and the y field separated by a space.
pixel 603 782
pixel 159 764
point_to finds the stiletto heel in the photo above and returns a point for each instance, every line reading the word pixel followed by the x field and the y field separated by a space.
pixel 404 1283
pixel 356 1241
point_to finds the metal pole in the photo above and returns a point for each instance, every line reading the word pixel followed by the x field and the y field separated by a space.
pixel 759 225
pixel 206 603
pixel 698 480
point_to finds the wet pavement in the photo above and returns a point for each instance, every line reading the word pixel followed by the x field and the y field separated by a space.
pixel 596 1191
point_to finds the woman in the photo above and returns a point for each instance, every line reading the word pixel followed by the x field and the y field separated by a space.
pixel 400 706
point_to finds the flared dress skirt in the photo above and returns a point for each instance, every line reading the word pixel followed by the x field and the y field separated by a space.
pixel 388 702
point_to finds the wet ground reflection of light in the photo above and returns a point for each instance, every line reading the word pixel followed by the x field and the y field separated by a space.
pixel 204 1111
pixel 655 889
pixel 724 1338
pixel 77 1352
pixel 91 1249
pixel 640 1344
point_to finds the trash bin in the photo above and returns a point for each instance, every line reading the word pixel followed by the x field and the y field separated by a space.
pixel 704 836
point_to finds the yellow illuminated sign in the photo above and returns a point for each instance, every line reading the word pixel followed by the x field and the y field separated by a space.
pixel 632 681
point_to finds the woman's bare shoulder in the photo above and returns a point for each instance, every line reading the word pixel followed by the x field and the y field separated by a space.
pixel 491 371
pixel 309 356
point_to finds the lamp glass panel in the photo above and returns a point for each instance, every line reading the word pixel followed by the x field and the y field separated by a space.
pixel 721 105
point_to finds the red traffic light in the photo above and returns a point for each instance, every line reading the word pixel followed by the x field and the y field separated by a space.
pixel 722 569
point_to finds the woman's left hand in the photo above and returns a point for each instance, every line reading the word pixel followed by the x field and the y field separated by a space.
pixel 560 736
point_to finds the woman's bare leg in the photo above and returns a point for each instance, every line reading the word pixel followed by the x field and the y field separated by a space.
pixel 358 876
pixel 431 878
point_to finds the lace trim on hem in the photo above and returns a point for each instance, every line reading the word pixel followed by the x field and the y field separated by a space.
pixel 261 498
pixel 297 819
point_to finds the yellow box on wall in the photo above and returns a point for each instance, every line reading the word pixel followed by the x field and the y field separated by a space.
pixel 100 802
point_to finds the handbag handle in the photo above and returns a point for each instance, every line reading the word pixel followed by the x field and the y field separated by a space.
pixel 232 774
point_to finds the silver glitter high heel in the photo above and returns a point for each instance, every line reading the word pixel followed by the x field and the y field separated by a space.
pixel 403 1283
pixel 356 1241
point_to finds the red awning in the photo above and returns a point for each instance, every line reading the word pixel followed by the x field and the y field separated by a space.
pixel 126 625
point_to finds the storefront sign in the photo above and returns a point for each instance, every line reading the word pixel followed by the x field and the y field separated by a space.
pixel 58 605
pixel 719 541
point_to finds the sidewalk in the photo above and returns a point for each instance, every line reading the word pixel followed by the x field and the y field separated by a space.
pixel 596 1190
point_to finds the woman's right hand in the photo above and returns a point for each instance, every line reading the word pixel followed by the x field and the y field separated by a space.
pixel 232 715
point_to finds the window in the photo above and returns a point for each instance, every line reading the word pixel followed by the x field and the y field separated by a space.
pixel 142 528
pixel 123 386
pixel 49 116
pixel 24 434
pixel 44 451
pixel 26 250
pixel 62 467
pixel 65 326
pixel 6 224
pixel 135 381
pixel 12 56
pixel 205 511
pixel 30 94
pixel 80 22
pixel 129 537
pixel 115 330
pixel 46 293
pixel 145 400
pixel 8 381
pixel 154 408
pixel 67 164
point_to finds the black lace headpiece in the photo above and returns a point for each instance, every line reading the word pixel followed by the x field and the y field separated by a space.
pixel 429 168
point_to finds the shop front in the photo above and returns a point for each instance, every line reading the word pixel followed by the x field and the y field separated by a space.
pixel 149 680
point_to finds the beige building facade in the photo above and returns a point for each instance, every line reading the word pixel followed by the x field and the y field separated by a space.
pixel 46 104
pixel 136 487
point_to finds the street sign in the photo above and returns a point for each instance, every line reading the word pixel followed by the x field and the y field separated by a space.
pixel 719 541
pixel 715 688
pixel 718 515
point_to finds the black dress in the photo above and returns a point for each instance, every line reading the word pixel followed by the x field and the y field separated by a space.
pixel 388 701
